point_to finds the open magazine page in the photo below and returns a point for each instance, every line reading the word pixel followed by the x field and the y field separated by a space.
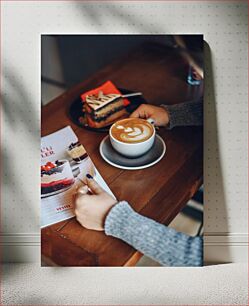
pixel 64 165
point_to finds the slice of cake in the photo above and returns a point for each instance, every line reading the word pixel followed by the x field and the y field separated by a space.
pixel 104 105
pixel 56 176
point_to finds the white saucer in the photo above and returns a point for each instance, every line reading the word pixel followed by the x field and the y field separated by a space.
pixel 149 159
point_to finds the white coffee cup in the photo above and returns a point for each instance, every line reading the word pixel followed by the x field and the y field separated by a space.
pixel 133 149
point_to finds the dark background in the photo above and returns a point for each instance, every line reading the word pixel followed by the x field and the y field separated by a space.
pixel 82 55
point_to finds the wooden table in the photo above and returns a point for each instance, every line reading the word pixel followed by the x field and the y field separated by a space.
pixel 159 192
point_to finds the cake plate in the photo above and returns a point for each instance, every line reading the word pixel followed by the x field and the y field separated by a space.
pixel 77 115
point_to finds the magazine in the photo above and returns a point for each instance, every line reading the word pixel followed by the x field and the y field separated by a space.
pixel 64 165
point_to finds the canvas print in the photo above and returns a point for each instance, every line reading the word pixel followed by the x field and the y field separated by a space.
pixel 122 150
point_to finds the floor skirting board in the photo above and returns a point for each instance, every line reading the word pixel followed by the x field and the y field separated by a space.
pixel 218 247
pixel 225 247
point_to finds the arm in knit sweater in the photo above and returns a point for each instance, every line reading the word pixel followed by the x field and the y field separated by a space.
pixel 185 114
pixel 157 241
pixel 163 244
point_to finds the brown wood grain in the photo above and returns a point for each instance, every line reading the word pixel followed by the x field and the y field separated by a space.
pixel 159 192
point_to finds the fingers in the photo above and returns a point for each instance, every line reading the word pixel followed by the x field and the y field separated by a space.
pixel 93 185
pixel 82 190
pixel 135 114
pixel 140 112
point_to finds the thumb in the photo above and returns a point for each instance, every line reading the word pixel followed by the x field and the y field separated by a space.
pixel 140 112
pixel 93 185
pixel 135 114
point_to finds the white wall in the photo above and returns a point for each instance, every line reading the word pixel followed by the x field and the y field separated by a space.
pixel 224 25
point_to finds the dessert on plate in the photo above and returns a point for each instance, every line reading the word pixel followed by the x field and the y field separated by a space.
pixel 56 176
pixel 104 105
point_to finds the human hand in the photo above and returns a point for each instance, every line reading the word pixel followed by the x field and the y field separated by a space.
pixel 92 209
pixel 158 114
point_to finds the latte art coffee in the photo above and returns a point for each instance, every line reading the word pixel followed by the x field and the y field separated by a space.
pixel 132 130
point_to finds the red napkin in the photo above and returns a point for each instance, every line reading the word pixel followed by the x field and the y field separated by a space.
pixel 107 88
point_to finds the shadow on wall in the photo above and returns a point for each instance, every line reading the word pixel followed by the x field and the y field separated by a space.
pixel 30 125
pixel 92 14
pixel 20 116
pixel 214 195
pixel 18 109
pixel 82 55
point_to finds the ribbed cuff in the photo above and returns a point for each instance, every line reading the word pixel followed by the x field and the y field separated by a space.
pixel 185 114
pixel 118 219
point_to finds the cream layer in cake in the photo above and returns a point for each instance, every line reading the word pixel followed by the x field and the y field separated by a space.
pixel 100 100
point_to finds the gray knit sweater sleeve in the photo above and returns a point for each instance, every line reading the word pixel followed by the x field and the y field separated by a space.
pixel 159 242
pixel 185 114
